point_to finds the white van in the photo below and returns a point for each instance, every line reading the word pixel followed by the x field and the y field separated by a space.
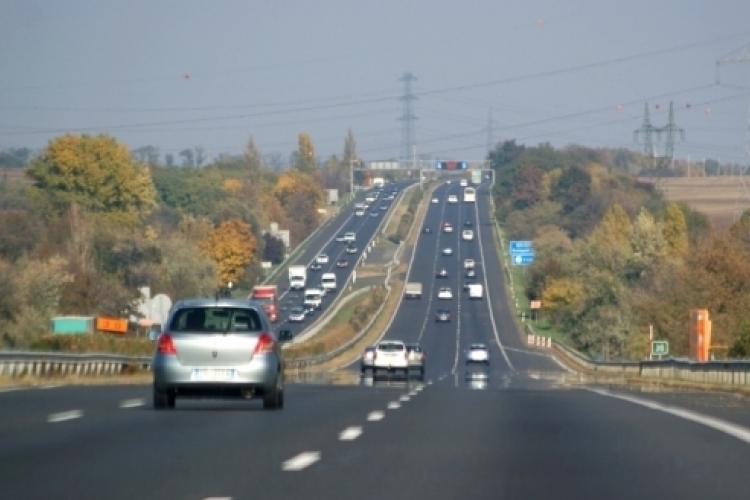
pixel 313 297
pixel 328 282
pixel 476 290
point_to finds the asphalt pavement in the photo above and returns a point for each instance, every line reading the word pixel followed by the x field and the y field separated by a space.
pixel 520 429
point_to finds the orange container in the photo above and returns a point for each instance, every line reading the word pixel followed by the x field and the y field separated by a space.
pixel 700 334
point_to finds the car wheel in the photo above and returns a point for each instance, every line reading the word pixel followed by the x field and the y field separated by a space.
pixel 163 400
pixel 274 400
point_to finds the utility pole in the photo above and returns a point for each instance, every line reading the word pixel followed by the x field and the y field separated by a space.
pixel 648 141
pixel 408 117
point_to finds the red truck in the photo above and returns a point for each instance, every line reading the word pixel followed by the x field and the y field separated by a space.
pixel 268 295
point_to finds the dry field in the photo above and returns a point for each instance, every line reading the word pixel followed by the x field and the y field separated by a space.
pixel 722 199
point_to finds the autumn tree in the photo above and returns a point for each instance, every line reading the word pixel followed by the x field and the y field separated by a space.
pixel 253 165
pixel 675 232
pixel 232 246
pixel 273 249
pixel 527 187
pixel 97 173
pixel 305 154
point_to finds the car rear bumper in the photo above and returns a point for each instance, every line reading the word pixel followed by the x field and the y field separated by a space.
pixel 259 375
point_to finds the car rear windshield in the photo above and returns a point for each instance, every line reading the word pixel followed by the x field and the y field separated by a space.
pixel 391 347
pixel 216 319
pixel 414 348
pixel 477 348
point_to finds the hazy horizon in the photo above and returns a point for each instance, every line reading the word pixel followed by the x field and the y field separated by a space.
pixel 179 74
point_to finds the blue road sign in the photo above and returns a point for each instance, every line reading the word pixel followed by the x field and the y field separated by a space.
pixel 522 253
pixel 521 247
pixel 523 260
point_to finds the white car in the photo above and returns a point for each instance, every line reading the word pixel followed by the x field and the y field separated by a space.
pixel 297 314
pixel 469 264
pixel 445 293
pixel 390 355
pixel 435 200
pixel 350 237
pixel 359 212
pixel 452 198
pixel 477 353
pixel 322 259
pixel 447 251
pixel 467 235
pixel 464 183
pixel 447 227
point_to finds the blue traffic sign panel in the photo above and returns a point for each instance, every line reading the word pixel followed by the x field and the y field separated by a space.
pixel 523 260
pixel 521 247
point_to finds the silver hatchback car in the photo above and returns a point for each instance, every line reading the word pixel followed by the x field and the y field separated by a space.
pixel 218 348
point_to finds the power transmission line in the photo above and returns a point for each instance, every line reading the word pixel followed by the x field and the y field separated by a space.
pixel 408 118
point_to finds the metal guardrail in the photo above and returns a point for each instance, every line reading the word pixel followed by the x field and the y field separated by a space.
pixel 730 373
pixel 16 364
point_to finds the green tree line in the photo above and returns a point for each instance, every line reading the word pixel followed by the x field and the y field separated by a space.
pixel 613 257
pixel 93 222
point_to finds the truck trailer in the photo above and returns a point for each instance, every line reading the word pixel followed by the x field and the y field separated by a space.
pixel 297 277
pixel 413 290
pixel 267 295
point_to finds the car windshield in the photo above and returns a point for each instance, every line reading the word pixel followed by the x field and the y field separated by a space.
pixel 215 319
pixel 390 347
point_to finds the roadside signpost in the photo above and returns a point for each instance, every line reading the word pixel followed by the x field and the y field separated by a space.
pixel 659 348
pixel 522 253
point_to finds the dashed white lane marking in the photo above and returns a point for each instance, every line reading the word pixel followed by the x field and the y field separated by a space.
pixel 534 376
pixel 394 405
pixel 413 393
pixel 350 433
pixel 404 398
pixel 375 416
pixel 132 403
pixel 218 498
pixel 734 430
pixel 63 416
pixel 301 461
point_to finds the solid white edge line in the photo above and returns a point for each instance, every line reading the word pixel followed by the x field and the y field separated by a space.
pixel 132 403
pixel 301 461
pixel 734 430
pixel 487 293
pixel 350 433
pixel 63 416
pixel 375 416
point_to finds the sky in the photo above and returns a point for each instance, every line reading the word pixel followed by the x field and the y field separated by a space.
pixel 179 73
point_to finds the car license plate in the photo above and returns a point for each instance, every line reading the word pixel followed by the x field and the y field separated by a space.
pixel 213 374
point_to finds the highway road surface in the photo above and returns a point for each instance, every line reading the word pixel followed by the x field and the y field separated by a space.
pixel 522 429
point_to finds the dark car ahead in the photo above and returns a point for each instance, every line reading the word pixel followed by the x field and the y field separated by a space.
pixel 443 316
pixel 218 348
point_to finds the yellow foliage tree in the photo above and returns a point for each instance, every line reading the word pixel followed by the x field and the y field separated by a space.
pixel 306 154
pixel 232 186
pixel 95 172
pixel 232 246
pixel 563 296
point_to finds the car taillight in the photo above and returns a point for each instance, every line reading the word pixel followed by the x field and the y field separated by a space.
pixel 165 345
pixel 264 345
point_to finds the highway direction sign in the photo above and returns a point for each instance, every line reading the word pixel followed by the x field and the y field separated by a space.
pixel 659 348
pixel 522 253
